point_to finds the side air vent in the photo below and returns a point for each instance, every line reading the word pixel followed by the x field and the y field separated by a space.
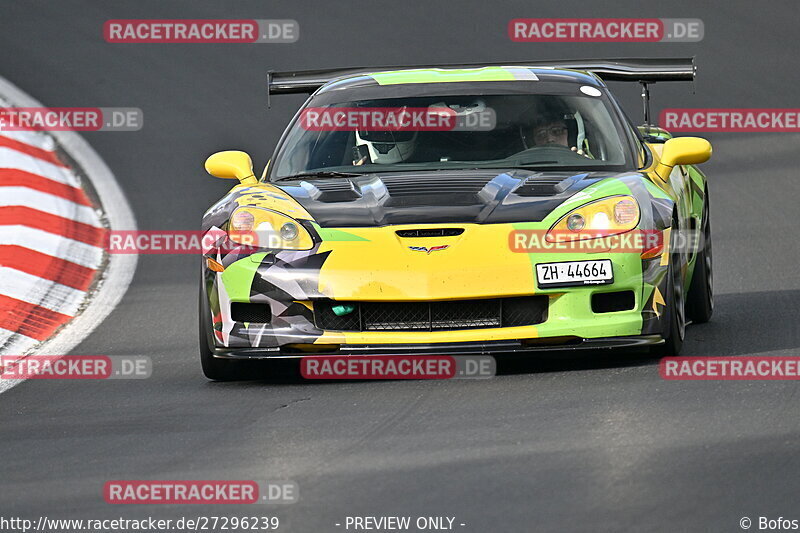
pixel 430 232
pixel 542 187
pixel 610 302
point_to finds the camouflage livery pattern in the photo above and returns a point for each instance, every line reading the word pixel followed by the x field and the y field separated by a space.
pixel 367 264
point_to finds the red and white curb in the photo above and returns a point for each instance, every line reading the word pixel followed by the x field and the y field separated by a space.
pixel 57 283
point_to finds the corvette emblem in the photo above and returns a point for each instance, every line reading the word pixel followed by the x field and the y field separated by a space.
pixel 429 250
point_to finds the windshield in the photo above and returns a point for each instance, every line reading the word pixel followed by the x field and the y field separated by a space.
pixel 457 131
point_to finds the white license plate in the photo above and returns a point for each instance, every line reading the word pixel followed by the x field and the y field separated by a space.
pixel 574 273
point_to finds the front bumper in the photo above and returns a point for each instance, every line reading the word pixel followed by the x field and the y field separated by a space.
pixel 290 282
pixel 453 348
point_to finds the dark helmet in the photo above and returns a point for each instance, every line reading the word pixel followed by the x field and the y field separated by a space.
pixel 555 112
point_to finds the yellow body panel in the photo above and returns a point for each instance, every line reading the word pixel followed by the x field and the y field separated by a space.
pixel 383 267
pixel 422 337
pixel 231 164
pixel 268 196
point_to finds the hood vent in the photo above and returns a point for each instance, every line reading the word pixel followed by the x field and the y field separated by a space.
pixel 339 190
pixel 542 187
pixel 411 190
pixel 410 186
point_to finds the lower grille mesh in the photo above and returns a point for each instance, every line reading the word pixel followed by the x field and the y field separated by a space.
pixel 430 316
pixel 245 312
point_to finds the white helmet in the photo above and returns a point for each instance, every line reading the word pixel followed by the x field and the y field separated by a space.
pixel 476 106
pixel 387 147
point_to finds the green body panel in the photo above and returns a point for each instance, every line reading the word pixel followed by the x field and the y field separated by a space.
pixel 238 277
pixel 571 313
pixel 330 234
pixel 698 188
pixel 656 191
pixel 430 75
pixel 654 131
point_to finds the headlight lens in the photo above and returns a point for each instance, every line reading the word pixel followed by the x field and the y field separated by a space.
pixel 289 231
pixel 601 218
pixel 262 228
pixel 575 222
pixel 242 221
pixel 626 211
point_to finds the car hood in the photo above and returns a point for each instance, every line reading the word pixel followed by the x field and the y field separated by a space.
pixel 471 196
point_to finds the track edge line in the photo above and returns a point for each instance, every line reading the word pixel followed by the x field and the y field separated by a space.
pixel 120 268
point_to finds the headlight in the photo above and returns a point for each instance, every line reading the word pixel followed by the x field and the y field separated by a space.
pixel 242 221
pixel 262 228
pixel 576 222
pixel 289 231
pixel 601 218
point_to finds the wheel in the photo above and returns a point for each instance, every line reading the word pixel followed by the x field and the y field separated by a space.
pixel 675 310
pixel 213 367
pixel 700 301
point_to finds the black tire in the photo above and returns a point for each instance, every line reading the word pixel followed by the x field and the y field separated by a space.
pixel 700 301
pixel 214 368
pixel 675 309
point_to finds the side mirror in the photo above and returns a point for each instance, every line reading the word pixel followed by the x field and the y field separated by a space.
pixel 232 164
pixel 683 151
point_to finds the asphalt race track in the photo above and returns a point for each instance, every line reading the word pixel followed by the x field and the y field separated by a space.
pixel 585 442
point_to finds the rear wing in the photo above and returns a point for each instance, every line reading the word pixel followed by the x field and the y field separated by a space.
pixel 640 70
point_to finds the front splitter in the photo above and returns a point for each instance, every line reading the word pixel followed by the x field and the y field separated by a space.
pixel 453 348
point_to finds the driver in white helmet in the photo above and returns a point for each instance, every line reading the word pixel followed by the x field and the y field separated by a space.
pixel 383 147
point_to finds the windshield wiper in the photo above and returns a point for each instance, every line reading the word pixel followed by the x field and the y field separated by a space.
pixel 535 165
pixel 319 174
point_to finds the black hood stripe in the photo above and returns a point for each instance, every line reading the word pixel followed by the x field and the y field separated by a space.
pixel 476 196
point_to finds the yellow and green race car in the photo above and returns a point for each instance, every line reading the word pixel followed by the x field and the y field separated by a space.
pixel 469 209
